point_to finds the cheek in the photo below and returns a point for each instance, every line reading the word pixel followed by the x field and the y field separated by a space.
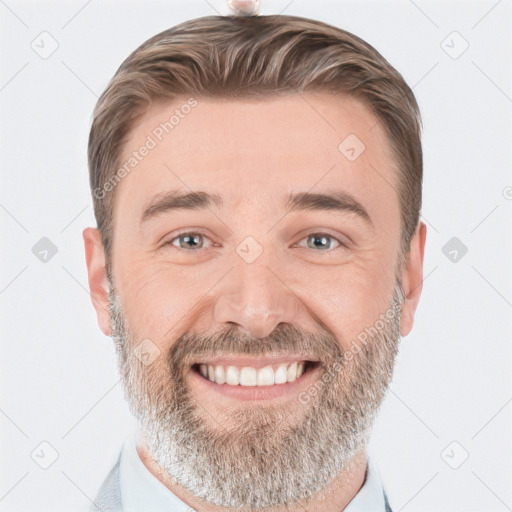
pixel 159 298
pixel 350 299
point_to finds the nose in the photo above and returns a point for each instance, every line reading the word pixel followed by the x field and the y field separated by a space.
pixel 255 299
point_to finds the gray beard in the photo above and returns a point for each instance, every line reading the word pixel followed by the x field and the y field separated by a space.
pixel 268 456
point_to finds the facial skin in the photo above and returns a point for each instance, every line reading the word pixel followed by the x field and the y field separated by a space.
pixel 302 297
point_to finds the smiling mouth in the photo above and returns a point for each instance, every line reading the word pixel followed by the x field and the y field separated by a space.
pixel 269 375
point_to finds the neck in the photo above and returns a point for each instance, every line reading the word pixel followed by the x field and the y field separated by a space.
pixel 334 498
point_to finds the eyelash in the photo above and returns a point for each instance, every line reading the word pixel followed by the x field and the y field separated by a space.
pixel 320 234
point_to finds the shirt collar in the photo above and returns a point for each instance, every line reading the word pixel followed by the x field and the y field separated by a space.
pixel 141 490
pixel 370 497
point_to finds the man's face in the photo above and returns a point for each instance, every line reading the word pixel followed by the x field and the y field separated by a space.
pixel 253 156
pixel 247 282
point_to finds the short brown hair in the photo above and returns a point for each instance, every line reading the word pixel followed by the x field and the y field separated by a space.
pixel 257 56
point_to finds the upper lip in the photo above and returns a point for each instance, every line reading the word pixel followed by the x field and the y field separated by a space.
pixel 253 361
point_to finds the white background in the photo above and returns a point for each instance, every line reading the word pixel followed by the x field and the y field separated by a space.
pixel 59 381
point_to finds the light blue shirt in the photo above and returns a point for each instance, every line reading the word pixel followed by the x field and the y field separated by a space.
pixel 142 491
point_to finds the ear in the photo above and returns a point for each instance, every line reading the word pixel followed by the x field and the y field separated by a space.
pixel 98 282
pixel 412 278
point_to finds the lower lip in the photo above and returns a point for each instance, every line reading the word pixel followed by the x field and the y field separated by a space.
pixel 254 393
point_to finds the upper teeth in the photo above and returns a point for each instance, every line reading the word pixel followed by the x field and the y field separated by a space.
pixel 249 376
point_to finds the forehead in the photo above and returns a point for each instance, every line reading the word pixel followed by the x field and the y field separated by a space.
pixel 253 150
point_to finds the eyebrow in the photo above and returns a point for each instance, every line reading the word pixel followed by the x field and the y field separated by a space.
pixel 175 200
pixel 334 201
pixel 304 201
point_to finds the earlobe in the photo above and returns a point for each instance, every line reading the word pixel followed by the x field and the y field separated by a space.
pixel 97 277
pixel 412 278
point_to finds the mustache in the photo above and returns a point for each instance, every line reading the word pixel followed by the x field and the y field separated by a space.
pixel 283 341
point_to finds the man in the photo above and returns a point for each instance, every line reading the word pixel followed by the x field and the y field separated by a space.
pixel 259 251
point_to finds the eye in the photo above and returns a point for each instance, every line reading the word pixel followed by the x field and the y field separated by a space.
pixel 188 240
pixel 322 241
